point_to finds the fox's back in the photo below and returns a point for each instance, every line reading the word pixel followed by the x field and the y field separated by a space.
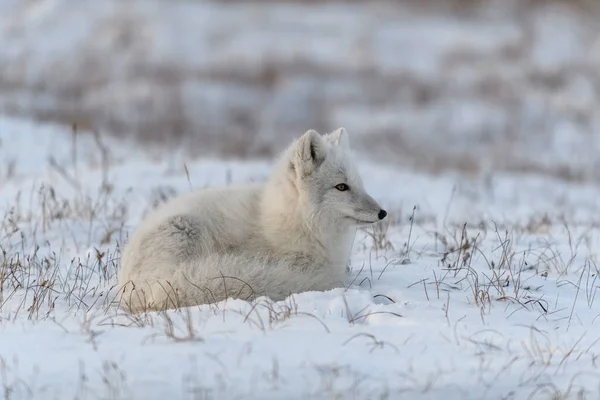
pixel 225 217
pixel 217 205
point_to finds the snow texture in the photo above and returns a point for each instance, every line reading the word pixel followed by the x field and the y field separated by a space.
pixel 502 307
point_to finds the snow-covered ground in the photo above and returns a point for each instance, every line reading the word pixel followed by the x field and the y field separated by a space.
pixel 478 289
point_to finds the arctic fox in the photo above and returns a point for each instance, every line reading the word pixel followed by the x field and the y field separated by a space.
pixel 292 234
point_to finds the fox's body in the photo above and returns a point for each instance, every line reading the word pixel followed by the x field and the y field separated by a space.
pixel 291 234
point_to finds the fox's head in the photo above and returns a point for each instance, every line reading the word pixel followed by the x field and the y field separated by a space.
pixel 328 184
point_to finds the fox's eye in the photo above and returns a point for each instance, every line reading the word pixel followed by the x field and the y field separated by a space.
pixel 342 187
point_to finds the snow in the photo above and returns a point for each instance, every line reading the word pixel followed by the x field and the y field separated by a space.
pixel 513 314
pixel 502 82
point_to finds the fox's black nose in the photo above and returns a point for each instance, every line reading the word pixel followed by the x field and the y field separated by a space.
pixel 382 214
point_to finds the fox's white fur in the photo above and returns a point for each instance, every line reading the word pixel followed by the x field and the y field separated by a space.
pixel 293 233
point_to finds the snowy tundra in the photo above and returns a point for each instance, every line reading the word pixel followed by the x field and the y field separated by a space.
pixel 470 289
pixel 291 234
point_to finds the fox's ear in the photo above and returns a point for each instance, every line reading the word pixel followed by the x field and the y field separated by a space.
pixel 309 153
pixel 339 137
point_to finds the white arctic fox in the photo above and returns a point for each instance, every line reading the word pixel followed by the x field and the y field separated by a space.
pixel 291 234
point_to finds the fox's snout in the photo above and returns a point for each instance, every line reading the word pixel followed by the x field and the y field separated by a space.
pixel 368 210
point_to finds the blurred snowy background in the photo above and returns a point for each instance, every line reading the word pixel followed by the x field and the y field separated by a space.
pixel 436 85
